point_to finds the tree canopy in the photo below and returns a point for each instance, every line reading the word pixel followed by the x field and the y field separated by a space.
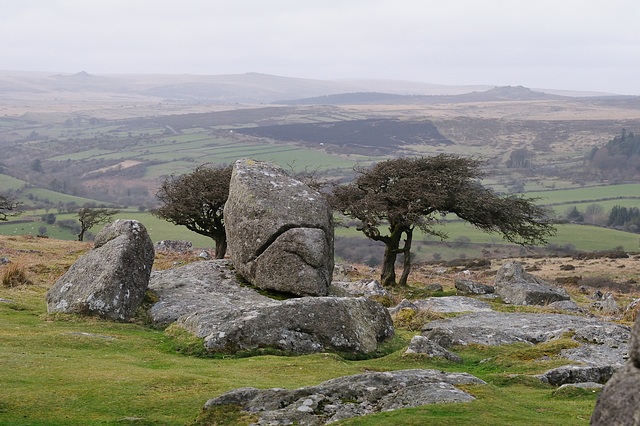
pixel 404 193
pixel 196 200
pixel 90 217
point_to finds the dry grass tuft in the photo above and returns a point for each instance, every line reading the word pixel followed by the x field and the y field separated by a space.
pixel 14 275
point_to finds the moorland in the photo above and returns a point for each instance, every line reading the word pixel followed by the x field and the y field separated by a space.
pixel 68 141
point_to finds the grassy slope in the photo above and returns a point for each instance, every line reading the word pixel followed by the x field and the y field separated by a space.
pixel 51 377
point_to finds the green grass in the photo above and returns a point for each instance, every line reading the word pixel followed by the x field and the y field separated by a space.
pixel 52 377
pixel 587 194
pixel 7 182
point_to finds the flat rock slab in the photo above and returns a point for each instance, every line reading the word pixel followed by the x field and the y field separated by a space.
pixel 349 396
pixel 206 299
pixel 497 328
pixel 452 304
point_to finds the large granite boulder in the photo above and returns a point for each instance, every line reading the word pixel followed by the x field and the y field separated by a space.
pixel 207 299
pixel 619 402
pixel 279 231
pixel 111 280
pixel 601 343
pixel 518 287
pixel 349 396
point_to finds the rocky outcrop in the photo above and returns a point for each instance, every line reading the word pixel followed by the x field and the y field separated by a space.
pixel 422 345
pixel 280 231
pixel 365 287
pixel 206 299
pixel 451 304
pixel 173 246
pixel 111 280
pixel 469 287
pixel 349 396
pixel 577 374
pixel 619 401
pixel 404 304
pixel 602 343
pixel 518 287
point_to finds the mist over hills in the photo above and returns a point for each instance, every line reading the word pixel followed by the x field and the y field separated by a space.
pixel 253 88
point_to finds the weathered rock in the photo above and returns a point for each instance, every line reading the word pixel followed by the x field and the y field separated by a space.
pixel 341 272
pixel 349 396
pixel 174 246
pixel 518 287
pixel 4 261
pixel 422 345
pixel 404 304
pixel 497 328
pixel 280 231
pixel 469 287
pixel 204 255
pixel 206 299
pixel 619 401
pixel 452 304
pixel 6 301
pixel 567 305
pixel 577 374
pixel 607 305
pixel 366 287
pixel 434 287
pixel 111 280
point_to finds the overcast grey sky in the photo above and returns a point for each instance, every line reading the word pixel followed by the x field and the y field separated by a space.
pixel 559 44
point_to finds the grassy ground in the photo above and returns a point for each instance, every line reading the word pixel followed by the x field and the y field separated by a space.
pixel 122 373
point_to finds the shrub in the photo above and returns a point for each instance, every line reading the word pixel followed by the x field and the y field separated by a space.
pixel 14 275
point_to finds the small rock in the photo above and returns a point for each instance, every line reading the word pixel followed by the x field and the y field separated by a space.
pixel 365 287
pixel 452 304
pixel 422 345
pixel 468 287
pixel 204 255
pixel 434 287
pixel 607 305
pixel 404 304
pixel 4 260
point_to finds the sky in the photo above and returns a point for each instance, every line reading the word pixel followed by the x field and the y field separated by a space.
pixel 587 45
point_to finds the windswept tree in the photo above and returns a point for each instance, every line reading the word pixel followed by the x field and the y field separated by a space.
pixel 196 200
pixel 90 217
pixel 7 206
pixel 396 196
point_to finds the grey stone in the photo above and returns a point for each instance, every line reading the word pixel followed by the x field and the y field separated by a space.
pixel 422 345
pixel 607 342
pixel 341 272
pixel 584 385
pixel 4 260
pixel 365 287
pixel 349 396
pixel 607 305
pixel 619 401
pixel 206 299
pixel 204 255
pixel 469 287
pixel 434 287
pixel 174 246
pixel 567 305
pixel 518 287
pixel 280 231
pixel 577 374
pixel 111 280
pixel 452 304
pixel 6 301
pixel 404 304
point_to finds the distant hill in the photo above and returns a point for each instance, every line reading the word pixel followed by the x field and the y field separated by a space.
pixel 252 88
pixel 506 93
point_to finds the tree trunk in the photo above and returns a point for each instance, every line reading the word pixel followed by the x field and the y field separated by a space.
pixel 81 235
pixel 406 251
pixel 388 274
pixel 221 246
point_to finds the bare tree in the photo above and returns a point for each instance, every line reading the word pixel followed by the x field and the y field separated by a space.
pixel 196 200
pixel 404 193
pixel 90 217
